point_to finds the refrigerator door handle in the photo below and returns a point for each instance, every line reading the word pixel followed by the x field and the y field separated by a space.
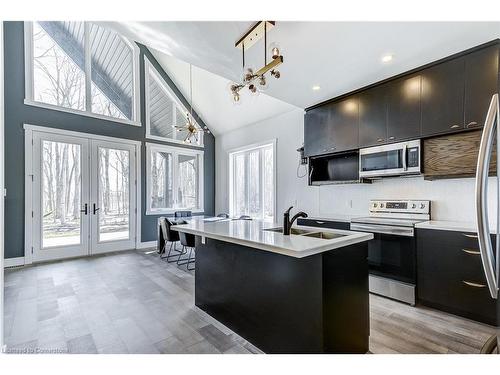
pixel 490 265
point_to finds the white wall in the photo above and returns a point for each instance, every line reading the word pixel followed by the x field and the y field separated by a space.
pixel 451 199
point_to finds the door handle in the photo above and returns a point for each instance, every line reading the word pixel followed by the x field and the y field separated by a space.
pixel 455 126
pixel 471 124
pixel 96 208
pixel 490 264
pixel 470 235
pixel 85 210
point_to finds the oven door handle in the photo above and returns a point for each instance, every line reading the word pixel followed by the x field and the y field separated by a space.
pixel 383 229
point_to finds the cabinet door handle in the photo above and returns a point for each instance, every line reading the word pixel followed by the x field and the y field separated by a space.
pixel 392 138
pixel 320 222
pixel 470 235
pixel 455 126
pixel 96 208
pixel 475 285
pixel 471 252
pixel 471 124
pixel 333 148
pixel 380 140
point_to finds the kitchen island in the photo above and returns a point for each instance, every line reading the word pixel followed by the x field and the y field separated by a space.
pixel 302 293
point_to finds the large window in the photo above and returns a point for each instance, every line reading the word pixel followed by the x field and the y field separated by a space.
pixel 165 113
pixel 82 67
pixel 252 181
pixel 174 179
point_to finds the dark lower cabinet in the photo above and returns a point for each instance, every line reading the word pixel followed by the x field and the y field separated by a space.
pixel 331 224
pixel 373 116
pixel 450 276
pixel 403 109
pixel 481 82
pixel 443 97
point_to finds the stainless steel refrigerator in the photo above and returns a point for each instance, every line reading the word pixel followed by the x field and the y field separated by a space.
pixel 490 253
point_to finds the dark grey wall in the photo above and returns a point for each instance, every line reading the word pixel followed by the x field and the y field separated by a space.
pixel 17 113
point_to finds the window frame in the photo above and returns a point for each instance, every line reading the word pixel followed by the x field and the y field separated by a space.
pixel 29 79
pixel 231 168
pixel 175 151
pixel 150 69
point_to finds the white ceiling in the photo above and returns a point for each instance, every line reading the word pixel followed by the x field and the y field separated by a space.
pixel 212 99
pixel 338 56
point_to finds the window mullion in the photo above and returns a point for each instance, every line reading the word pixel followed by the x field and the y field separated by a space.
pixel 88 68
pixel 175 174
pixel 262 183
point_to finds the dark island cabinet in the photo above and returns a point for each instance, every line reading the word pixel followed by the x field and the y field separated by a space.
pixel 481 82
pixel 443 98
pixel 450 276
pixel 344 125
pixel 403 108
pixel 317 131
pixel 373 116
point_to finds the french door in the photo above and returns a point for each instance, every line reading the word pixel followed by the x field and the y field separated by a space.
pixel 83 196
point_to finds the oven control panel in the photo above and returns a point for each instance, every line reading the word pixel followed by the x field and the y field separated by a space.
pixel 401 206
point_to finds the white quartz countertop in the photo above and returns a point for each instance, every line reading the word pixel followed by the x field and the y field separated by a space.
pixel 250 233
pixel 459 226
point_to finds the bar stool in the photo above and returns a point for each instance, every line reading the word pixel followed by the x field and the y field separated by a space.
pixel 179 214
pixel 187 240
pixel 171 236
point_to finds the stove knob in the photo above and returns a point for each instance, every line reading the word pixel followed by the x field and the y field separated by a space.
pixel 422 205
pixel 413 205
pixel 381 205
pixel 375 205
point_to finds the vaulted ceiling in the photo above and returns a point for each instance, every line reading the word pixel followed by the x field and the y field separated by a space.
pixel 337 56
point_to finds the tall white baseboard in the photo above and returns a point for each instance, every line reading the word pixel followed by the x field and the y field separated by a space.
pixel 13 262
pixel 146 245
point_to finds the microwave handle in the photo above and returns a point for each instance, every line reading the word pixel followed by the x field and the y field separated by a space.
pixel 405 152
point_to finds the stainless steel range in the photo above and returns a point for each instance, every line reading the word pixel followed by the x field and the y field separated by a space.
pixel 392 252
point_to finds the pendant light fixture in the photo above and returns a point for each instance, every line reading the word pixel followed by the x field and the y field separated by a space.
pixel 191 128
pixel 256 81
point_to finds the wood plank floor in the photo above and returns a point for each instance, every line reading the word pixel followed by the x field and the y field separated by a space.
pixel 133 302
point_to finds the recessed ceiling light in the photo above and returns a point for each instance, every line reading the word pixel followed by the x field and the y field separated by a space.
pixel 316 87
pixel 387 58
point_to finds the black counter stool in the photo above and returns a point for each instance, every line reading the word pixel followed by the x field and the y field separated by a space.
pixel 171 236
pixel 187 241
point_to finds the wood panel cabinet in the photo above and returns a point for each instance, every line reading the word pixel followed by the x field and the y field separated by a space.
pixel 450 276
pixel 454 156
pixel 443 97
pixel 403 109
pixel 481 82
pixel 344 127
pixel 373 116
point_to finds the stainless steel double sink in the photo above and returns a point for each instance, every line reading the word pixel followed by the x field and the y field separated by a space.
pixel 307 233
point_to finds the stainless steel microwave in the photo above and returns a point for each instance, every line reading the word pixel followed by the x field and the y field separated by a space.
pixel 390 160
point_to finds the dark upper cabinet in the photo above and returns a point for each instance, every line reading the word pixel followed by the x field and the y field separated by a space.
pixel 403 108
pixel 373 116
pixel 317 131
pixel 344 124
pixel 481 82
pixel 443 97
